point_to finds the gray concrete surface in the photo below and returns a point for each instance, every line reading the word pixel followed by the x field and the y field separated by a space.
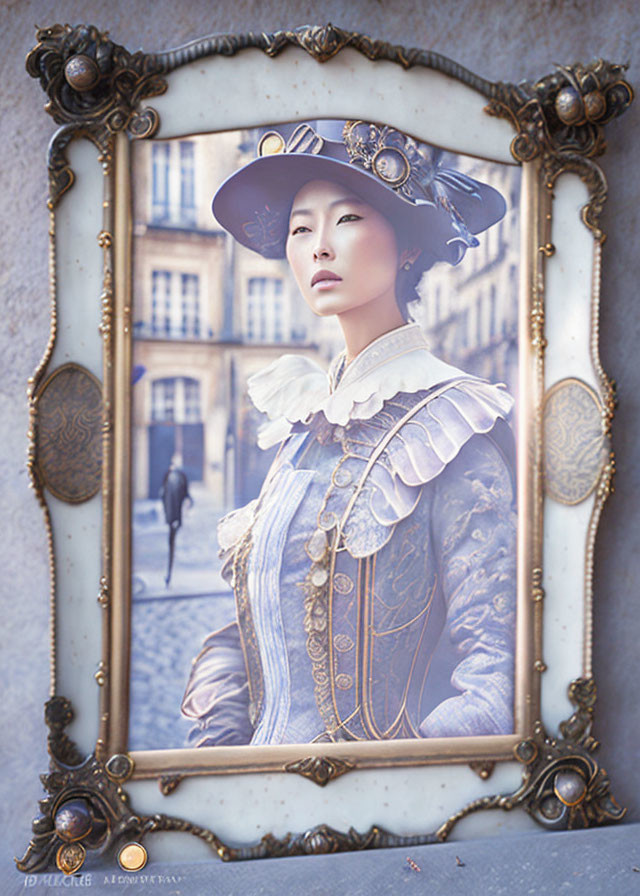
pixel 588 863
pixel 497 39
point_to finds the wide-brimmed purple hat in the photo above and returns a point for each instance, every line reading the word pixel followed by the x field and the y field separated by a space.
pixel 433 208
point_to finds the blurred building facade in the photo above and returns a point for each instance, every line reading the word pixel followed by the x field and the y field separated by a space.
pixel 470 312
pixel 208 313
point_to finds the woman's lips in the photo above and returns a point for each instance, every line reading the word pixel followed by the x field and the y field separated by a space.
pixel 324 278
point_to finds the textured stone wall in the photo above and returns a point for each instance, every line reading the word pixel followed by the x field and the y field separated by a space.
pixel 499 40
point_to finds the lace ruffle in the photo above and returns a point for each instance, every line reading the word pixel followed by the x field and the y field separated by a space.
pixel 294 388
pixel 416 455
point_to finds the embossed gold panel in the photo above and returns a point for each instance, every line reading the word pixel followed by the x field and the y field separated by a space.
pixel 574 441
pixel 68 433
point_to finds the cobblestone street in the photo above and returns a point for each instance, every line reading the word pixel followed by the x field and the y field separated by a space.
pixel 167 635
pixel 196 567
pixel 170 623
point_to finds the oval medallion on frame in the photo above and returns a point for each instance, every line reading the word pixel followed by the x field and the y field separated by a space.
pixel 68 433
pixel 574 441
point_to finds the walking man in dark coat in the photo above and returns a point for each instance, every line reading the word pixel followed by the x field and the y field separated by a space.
pixel 174 492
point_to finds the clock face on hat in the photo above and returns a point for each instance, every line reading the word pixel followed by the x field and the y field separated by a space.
pixel 391 166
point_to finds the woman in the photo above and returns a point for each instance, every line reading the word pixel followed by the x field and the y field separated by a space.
pixel 374 576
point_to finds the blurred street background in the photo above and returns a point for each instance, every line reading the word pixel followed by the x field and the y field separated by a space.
pixel 169 623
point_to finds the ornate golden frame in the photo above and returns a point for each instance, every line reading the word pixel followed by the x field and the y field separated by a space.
pixel 95 90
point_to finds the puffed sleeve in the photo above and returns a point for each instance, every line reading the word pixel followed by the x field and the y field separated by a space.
pixel 474 531
pixel 217 693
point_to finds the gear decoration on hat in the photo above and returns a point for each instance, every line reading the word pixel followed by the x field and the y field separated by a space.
pixel 393 157
pixel 443 201
pixel 412 170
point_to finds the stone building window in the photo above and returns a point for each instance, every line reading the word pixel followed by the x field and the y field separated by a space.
pixel 175 400
pixel 175 305
pixel 173 184
pixel 265 310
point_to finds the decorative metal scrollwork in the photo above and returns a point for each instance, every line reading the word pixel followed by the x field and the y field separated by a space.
pixel 483 768
pixel 87 808
pixel 560 119
pixel 93 81
pixel 83 805
pixel 320 769
pixel 169 783
pixel 94 88
pixel 563 786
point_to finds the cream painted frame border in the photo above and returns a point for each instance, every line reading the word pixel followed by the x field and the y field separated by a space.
pixel 559 253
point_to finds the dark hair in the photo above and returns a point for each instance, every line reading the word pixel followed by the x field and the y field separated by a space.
pixel 407 281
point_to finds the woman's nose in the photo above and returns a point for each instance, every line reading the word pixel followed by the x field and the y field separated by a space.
pixel 322 251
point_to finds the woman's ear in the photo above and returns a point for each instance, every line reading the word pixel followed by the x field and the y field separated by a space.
pixel 407 258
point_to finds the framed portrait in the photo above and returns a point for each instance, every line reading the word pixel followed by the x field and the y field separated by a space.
pixel 196 413
pixel 323 425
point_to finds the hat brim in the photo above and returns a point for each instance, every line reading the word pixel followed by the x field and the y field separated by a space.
pixel 254 204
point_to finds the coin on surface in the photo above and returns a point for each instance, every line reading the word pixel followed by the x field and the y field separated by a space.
pixel 132 857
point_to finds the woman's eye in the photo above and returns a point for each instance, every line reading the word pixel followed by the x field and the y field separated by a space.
pixel 301 228
pixel 349 217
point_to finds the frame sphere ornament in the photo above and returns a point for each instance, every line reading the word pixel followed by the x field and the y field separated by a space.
pixel 81 72
pixel 560 120
pixel 563 788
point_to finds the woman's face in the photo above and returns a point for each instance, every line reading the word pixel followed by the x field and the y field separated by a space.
pixel 343 253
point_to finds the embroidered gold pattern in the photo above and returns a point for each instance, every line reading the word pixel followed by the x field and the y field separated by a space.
pixel 246 627
pixel 316 604
pixel 342 583
pixel 343 643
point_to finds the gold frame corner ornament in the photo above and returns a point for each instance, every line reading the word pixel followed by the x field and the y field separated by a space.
pixel 563 788
pixel 560 120
pixel 95 89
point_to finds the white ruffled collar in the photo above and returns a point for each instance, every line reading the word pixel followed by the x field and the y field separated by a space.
pixel 294 388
